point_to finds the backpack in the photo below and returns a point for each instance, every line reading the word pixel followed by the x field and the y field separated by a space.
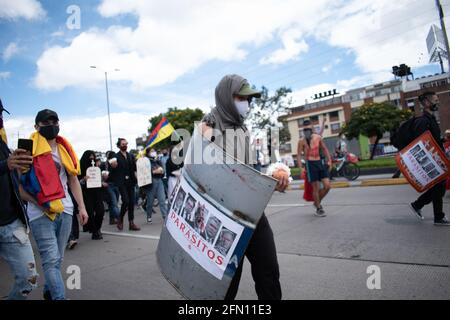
pixel 402 135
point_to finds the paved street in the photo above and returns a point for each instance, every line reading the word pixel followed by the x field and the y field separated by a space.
pixel 320 258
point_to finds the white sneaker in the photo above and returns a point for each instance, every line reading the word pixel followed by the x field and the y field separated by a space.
pixel 149 220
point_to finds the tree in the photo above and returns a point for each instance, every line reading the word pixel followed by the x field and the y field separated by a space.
pixel 373 120
pixel 178 118
pixel 266 110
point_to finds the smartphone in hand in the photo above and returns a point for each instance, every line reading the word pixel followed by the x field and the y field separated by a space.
pixel 26 144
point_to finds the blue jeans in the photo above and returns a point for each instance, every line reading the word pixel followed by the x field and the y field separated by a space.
pixel 113 208
pixel 16 249
pixel 156 190
pixel 51 239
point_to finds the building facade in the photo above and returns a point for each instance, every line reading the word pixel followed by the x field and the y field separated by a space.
pixel 338 110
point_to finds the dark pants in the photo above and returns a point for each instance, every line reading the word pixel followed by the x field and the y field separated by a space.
pixel 262 254
pixel 435 195
pixel 93 200
pixel 166 185
pixel 75 233
pixel 127 194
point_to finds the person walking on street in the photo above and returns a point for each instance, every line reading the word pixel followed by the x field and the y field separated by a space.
pixel 311 147
pixel 15 246
pixel 55 168
pixel 156 188
pixel 233 95
pixel 125 180
pixel 93 197
pixel 173 170
pixel 165 179
pixel 112 191
pixel 430 103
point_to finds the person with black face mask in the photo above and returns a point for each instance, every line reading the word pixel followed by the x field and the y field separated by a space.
pixel 50 207
pixel 93 197
pixel 124 175
pixel 430 103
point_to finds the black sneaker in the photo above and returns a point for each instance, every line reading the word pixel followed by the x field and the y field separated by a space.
pixel 47 295
pixel 417 212
pixel 320 212
pixel 442 222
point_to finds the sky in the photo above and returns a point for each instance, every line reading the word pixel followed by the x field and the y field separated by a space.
pixel 161 54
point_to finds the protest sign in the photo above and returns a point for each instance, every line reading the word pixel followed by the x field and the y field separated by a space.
pixel 210 222
pixel 423 163
pixel 143 172
pixel 94 177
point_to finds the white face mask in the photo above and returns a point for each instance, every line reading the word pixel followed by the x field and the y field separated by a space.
pixel 153 154
pixel 242 107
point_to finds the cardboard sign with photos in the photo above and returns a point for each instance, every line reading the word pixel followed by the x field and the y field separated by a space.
pixel 423 163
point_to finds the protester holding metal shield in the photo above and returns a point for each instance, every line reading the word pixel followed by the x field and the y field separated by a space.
pixel 233 95
pixel 430 103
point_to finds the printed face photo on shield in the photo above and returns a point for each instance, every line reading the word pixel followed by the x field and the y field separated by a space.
pixel 179 201
pixel 225 241
pixel 414 150
pixel 199 218
pixel 433 174
pixel 212 228
pixel 188 208
pixel 420 155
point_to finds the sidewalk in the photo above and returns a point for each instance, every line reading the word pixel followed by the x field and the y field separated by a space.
pixel 362 181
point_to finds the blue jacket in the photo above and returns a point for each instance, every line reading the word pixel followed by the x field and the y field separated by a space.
pixel 15 182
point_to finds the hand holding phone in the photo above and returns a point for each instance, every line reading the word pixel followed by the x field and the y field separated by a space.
pixel 20 160
pixel 25 144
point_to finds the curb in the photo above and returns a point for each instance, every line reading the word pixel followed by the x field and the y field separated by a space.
pixel 364 183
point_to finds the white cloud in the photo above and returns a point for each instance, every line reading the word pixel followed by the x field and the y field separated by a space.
pixel 175 37
pixel 171 39
pixel 28 9
pixel 292 47
pixel 86 133
pixel 330 66
pixel 11 50
pixel 5 75
pixel 58 33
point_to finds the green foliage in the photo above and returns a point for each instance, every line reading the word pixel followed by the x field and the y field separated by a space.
pixel 266 110
pixel 374 119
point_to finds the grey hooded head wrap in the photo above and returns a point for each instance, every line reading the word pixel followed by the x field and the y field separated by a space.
pixel 225 115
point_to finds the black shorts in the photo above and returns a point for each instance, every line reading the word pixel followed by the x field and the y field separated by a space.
pixel 316 170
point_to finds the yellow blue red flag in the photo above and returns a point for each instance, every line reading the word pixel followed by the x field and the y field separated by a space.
pixel 162 131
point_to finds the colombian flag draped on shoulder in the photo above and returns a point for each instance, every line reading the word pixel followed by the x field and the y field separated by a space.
pixel 42 180
pixel 162 131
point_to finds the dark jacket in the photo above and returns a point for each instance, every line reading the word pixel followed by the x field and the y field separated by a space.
pixel 428 122
pixel 155 164
pixel 171 167
pixel 125 173
pixel 5 199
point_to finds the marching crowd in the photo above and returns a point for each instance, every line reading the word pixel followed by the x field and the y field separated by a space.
pixel 52 181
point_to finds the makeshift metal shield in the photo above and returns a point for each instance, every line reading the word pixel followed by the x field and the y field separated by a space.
pixel 213 213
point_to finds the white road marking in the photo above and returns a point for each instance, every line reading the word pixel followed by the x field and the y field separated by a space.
pixel 289 205
pixel 129 235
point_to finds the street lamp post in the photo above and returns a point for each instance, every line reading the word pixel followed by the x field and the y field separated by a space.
pixel 107 105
